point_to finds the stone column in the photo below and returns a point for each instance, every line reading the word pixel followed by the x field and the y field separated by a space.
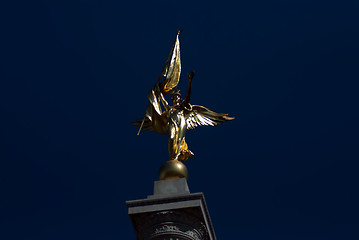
pixel 171 213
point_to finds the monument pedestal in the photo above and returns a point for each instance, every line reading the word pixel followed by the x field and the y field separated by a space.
pixel 171 213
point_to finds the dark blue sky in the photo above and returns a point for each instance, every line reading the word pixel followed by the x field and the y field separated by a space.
pixel 75 74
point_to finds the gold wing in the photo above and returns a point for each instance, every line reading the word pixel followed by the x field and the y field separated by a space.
pixel 201 116
pixel 172 68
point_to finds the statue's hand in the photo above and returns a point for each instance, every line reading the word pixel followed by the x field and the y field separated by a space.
pixel 191 75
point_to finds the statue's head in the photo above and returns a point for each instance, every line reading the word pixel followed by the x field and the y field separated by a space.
pixel 176 98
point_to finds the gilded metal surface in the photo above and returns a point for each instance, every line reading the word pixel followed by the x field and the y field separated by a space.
pixel 176 119
pixel 172 68
pixel 173 169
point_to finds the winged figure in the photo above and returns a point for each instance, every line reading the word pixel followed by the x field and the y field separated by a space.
pixel 176 119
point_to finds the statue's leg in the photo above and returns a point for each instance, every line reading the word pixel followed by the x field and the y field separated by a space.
pixel 185 152
pixel 181 136
pixel 173 140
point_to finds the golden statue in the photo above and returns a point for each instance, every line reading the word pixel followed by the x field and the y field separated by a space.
pixel 176 119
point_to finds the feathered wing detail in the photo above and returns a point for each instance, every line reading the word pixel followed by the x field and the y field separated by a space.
pixel 202 116
pixel 144 123
pixel 172 68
